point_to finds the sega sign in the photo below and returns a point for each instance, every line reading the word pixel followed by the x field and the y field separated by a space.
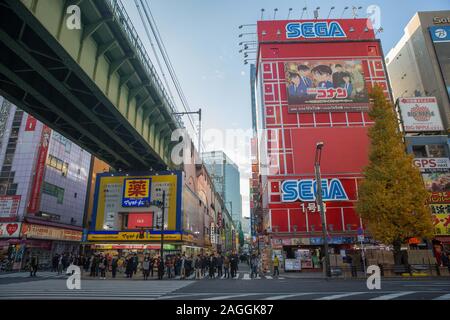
pixel 310 30
pixel 305 190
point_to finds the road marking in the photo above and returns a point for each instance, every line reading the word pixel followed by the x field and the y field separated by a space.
pixel 393 295
pixel 338 296
pixel 287 296
pixel 246 277
pixel 231 296
pixel 444 297
pixel 281 278
pixel 269 277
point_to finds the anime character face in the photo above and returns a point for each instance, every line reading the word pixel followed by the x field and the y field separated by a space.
pixel 295 79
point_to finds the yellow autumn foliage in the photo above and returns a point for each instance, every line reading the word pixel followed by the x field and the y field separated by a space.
pixel 392 197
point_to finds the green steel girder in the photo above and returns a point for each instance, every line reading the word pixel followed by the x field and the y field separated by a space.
pixel 126 128
pixel 135 91
pixel 105 47
pixel 20 50
pixel 116 64
pixel 20 99
pixel 92 27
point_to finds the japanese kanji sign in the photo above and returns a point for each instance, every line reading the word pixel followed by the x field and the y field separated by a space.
pixel 136 192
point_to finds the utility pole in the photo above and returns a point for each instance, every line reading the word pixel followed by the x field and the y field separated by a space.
pixel 162 223
pixel 321 207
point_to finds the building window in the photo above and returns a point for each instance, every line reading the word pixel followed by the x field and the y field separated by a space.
pixel 54 191
pixel 419 151
pixel 58 164
pixel 63 140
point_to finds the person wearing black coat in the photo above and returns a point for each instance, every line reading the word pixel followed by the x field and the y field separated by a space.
pixel 212 266
pixel 129 268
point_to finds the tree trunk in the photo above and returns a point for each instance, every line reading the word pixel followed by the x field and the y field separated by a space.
pixel 397 251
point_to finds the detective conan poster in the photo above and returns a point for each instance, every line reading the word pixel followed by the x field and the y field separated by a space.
pixel 326 85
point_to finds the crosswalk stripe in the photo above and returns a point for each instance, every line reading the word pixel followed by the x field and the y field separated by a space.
pixel 443 297
pixel 246 277
pixel 392 295
pixel 287 296
pixel 338 296
pixel 231 296
pixel 269 277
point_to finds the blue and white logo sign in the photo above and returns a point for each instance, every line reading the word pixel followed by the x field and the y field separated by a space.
pixel 311 30
pixel 305 190
pixel 440 34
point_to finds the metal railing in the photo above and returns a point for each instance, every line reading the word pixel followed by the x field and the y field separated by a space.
pixel 121 16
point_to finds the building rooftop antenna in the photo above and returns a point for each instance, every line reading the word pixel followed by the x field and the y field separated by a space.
pixel 262 14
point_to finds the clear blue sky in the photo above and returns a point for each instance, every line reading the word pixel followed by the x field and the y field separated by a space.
pixel 201 37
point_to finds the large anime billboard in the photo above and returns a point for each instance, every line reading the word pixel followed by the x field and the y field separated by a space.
pixel 326 85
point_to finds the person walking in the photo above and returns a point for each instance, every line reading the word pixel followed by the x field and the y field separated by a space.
pixel 219 266
pixel 152 265
pixel 146 267
pixel 183 267
pixel 60 264
pixel 198 267
pixel 204 265
pixel 129 269
pixel 160 268
pixel 120 263
pixel 226 267
pixel 114 265
pixel 233 265
pixel 276 264
pixel 169 265
pixel 253 266
pixel 212 266
pixel 55 261
pixel 103 265
pixel 34 262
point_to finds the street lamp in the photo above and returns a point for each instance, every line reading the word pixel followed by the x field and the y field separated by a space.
pixel 319 147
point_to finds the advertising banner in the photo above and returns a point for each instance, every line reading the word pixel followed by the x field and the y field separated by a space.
pixel 132 236
pixel 440 208
pixel 33 206
pixel 437 181
pixel 119 195
pixel 439 197
pixel 326 86
pixel 9 206
pixel 420 114
pixel 136 192
pixel 10 230
pixel 292 265
pixel 140 220
pixel 441 224
pixel 51 233
pixel 432 164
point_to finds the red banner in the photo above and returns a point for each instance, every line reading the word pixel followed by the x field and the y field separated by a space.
pixel 33 205
pixel 140 220
pixel 31 123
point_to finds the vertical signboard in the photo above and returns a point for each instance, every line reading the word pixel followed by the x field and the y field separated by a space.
pixel 440 35
pixel 33 205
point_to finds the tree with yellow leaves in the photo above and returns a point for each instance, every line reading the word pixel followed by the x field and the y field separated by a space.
pixel 392 197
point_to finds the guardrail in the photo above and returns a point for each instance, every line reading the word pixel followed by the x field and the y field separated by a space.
pixel 120 15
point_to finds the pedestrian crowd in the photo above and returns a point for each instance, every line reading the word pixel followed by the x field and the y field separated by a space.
pixel 182 266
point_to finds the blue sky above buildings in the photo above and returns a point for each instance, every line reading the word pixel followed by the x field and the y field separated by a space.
pixel 201 38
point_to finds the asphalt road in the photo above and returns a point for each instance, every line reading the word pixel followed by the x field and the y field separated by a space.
pixel 51 286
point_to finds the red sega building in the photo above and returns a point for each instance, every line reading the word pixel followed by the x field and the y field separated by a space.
pixel 313 80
